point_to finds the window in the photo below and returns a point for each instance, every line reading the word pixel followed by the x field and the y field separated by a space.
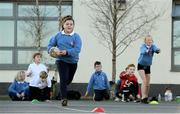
pixel 26 33
pixel 6 57
pixel 45 10
pixel 6 9
pixel 6 33
pixel 176 10
pixel 177 57
pixel 66 10
pixel 25 57
pixel 175 64
pixel 18 39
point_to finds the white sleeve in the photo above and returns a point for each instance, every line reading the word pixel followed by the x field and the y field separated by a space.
pixel 44 68
pixel 49 82
pixel 29 71
pixel 39 84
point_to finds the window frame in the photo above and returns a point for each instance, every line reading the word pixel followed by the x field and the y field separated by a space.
pixel 174 68
pixel 16 18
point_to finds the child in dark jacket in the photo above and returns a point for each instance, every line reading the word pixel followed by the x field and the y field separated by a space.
pixel 19 89
pixel 129 84
pixel 99 82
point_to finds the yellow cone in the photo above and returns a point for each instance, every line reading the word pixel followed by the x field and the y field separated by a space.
pixel 153 102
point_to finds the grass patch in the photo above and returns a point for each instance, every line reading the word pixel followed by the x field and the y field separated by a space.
pixel 4 97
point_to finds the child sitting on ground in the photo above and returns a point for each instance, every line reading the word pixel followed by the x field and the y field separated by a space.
pixel 99 82
pixel 129 85
pixel 44 85
pixel 19 89
pixel 168 96
pixel 118 93
pixel 33 72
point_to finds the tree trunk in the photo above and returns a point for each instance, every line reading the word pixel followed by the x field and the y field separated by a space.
pixel 114 38
pixel 38 26
pixel 59 9
pixel 113 68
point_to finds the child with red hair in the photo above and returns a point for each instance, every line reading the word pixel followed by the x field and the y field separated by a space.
pixel 129 87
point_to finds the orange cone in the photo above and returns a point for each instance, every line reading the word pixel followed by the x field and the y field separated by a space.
pixel 98 110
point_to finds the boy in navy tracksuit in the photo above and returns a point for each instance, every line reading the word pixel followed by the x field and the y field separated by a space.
pixel 69 44
pixel 99 82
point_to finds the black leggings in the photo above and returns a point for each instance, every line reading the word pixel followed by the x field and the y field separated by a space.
pixel 39 94
pixel 66 73
pixel 132 89
pixel 101 94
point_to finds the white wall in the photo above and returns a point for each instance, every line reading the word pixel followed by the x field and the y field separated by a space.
pixel 93 51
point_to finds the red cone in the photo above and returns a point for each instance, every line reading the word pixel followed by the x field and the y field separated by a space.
pixel 98 110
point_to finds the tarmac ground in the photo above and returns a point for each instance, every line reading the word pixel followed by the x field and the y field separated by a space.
pixel 86 106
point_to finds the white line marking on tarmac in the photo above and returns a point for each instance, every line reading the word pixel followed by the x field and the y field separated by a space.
pixel 83 110
pixel 77 110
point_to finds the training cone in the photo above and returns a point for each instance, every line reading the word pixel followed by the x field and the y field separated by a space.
pixel 178 99
pixel 98 110
pixel 153 103
pixel 34 101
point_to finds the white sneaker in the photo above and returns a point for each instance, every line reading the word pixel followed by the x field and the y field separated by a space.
pixel 116 99
pixel 123 99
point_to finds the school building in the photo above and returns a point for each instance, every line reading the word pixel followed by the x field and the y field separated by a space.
pixel 17 43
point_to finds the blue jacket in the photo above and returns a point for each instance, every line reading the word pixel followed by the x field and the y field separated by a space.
pixel 71 43
pixel 18 87
pixel 98 81
pixel 146 54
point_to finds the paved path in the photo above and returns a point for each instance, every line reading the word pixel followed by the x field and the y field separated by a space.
pixel 85 106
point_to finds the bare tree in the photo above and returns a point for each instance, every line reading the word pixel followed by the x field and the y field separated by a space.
pixel 35 27
pixel 38 26
pixel 118 23
pixel 54 90
pixel 60 12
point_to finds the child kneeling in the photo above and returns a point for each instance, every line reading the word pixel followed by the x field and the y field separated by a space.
pixel 44 85
pixel 129 86
pixel 100 83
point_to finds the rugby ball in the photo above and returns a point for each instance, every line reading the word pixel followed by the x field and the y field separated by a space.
pixel 52 52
